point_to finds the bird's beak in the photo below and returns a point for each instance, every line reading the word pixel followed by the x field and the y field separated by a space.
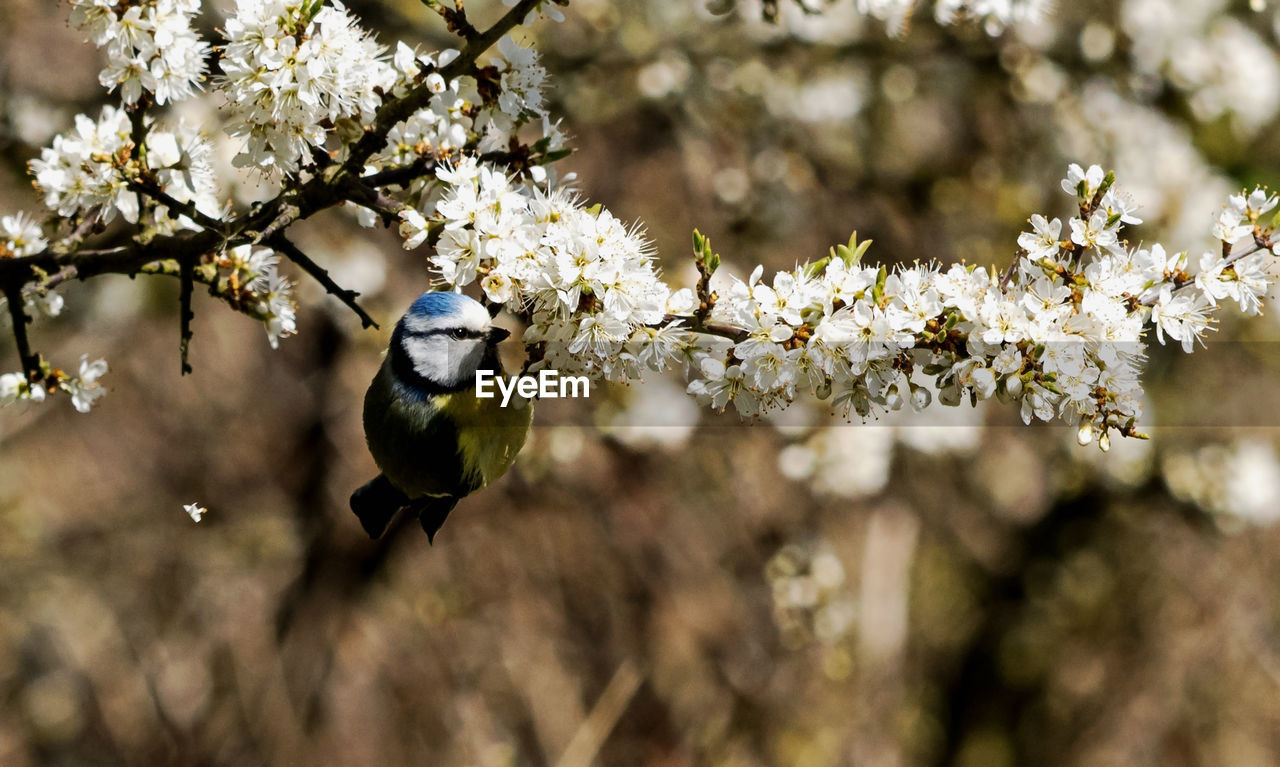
pixel 498 334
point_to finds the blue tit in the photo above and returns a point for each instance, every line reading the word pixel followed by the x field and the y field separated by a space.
pixel 433 439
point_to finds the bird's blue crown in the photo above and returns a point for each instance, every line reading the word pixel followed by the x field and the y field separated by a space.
pixel 440 303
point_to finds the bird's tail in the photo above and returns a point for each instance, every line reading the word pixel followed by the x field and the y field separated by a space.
pixel 432 513
pixel 375 503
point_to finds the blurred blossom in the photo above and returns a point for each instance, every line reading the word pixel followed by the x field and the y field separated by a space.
pixel 811 599
pixel 838 21
pixel 941 430
pixel 732 185
pixel 1240 479
pixel 656 413
pixel 1222 65
pixel 664 76
pixel 851 461
pixel 797 462
pixel 1153 154
pixel 565 443
pixel 1042 82
pixel 832 97
pixel 1097 41
pixel 53 706
pixel 35 121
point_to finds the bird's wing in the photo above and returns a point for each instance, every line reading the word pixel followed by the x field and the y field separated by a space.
pixel 414 442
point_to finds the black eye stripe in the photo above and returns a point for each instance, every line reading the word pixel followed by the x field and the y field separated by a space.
pixel 464 333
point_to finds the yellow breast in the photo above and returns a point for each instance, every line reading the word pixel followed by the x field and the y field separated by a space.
pixel 489 435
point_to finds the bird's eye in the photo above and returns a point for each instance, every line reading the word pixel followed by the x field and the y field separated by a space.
pixel 458 333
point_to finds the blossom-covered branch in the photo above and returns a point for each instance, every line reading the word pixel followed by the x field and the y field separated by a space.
pixel 459 153
pixel 1062 333
pixel 304 87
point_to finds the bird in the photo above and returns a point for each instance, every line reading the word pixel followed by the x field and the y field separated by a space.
pixel 434 441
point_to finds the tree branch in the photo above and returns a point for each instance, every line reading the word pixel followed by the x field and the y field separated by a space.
pixel 18 313
pixel 187 209
pixel 1258 246
pixel 399 176
pixel 393 112
pixel 185 315
pixel 374 199
pixel 735 334
pixel 265 223
pixel 348 297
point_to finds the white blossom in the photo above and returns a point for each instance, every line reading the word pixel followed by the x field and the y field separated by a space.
pixel 521 80
pixel 20 236
pixel 79 171
pixel 413 228
pixel 150 46
pixel 289 68
pixel 84 388
pixel 1043 241
pixel 1182 317
pixel 11 386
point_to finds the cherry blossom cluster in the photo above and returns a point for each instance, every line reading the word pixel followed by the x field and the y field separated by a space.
pixel 586 282
pixel 299 80
pixel 95 168
pixel 83 387
pixel 249 277
pixel 458 151
pixel 150 46
pixel 444 126
pixel 1061 332
pixel 20 236
pixel 465 113
pixel 292 70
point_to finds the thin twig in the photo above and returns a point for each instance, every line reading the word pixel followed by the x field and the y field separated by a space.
pixel 185 315
pixel 346 296
pixel 18 313
pixel 1258 246
pixel 455 18
pixel 395 111
pixel 87 224
pixel 1010 269
pixel 609 708
pixel 374 199
pixel 731 332
pixel 54 280
pixel 399 176
pixel 187 209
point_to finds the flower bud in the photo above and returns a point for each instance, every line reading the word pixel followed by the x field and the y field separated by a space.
pixel 1085 435
pixel 1013 385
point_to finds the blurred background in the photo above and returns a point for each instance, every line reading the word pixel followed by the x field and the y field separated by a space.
pixel 651 585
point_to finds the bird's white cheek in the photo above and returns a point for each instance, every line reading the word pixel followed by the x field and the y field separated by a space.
pixel 464 358
pixel 429 357
pixel 445 361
